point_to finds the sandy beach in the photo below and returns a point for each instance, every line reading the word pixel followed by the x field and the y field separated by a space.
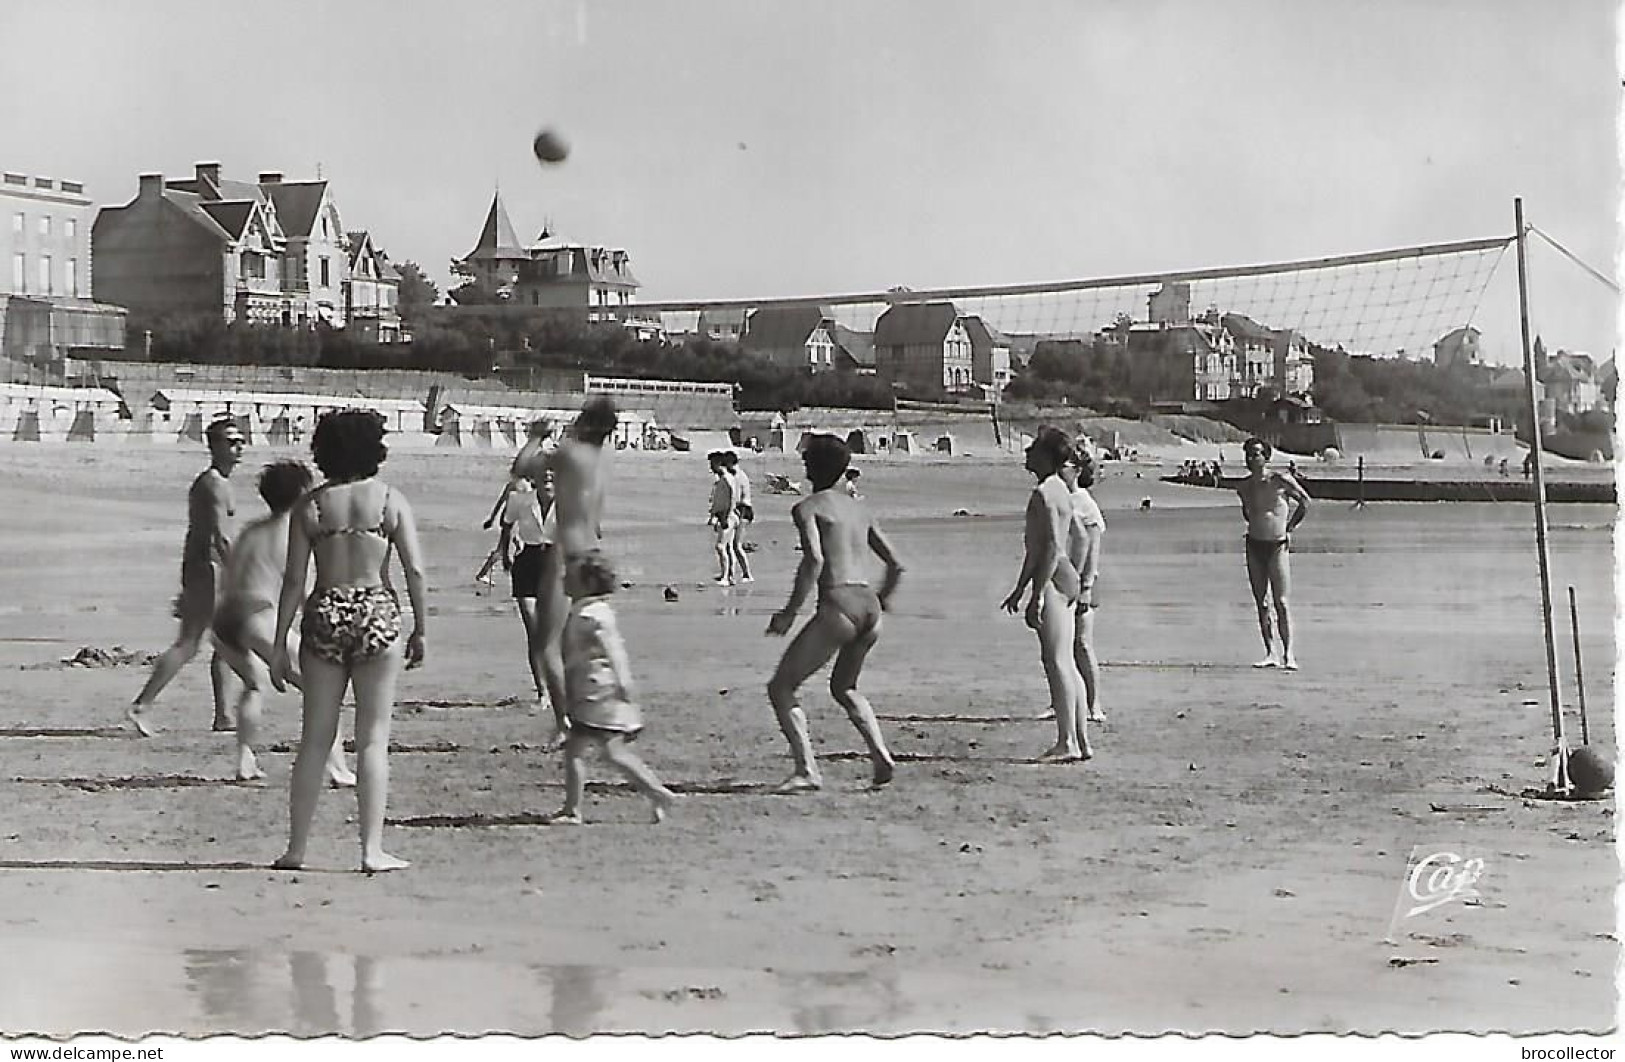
pixel 1230 861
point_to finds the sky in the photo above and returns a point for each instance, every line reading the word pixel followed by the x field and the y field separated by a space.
pixel 761 148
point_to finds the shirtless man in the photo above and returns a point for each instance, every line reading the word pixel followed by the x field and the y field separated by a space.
pixel 1048 571
pixel 579 478
pixel 837 535
pixel 210 512
pixel 1272 503
pixel 245 622
pixel 723 517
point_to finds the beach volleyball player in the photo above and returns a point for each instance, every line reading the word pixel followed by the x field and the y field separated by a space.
pixel 1273 504
pixel 837 535
pixel 211 512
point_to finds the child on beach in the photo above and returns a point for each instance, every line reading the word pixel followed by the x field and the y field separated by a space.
pixel 245 622
pixel 598 681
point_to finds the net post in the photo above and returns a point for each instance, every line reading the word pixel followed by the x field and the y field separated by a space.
pixel 1579 668
pixel 1542 546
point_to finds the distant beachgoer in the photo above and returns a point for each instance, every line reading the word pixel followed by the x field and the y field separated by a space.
pixel 245 622
pixel 723 518
pixel 1529 463
pixel 1085 541
pixel 746 512
pixel 1505 470
pixel 538 443
pixel 351 628
pixel 535 579
pixel 210 514
pixel 1047 571
pixel 837 535
pixel 851 482
pixel 599 703
pixel 1273 504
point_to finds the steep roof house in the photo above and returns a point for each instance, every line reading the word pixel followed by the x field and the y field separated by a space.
pixel 796 337
pixel 923 348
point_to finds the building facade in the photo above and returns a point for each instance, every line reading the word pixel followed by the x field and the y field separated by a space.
pixel 372 293
pixel 795 337
pixel 1457 347
pixel 270 251
pixel 47 313
pixel 990 355
pixel 590 281
pixel 924 348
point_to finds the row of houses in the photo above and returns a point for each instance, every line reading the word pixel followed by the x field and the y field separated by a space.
pixel 1214 356
pixel 925 349
pixel 268 251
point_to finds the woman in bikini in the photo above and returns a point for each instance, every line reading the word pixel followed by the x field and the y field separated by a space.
pixel 351 632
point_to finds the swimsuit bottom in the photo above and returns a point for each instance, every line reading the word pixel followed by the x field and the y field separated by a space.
pixel 855 603
pixel 1264 552
pixel 348 625
pixel 200 579
pixel 231 620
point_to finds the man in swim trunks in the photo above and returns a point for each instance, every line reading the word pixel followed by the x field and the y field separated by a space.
pixel 1273 504
pixel 580 477
pixel 723 517
pixel 837 535
pixel 211 512
pixel 245 622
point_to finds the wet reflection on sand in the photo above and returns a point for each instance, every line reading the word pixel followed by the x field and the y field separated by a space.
pixel 304 993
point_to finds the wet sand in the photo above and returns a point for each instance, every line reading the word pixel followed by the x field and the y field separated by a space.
pixel 1230 860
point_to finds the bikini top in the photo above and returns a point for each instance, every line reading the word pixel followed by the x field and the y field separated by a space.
pixel 328 532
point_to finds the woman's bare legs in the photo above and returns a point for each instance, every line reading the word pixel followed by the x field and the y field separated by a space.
pixel 325 683
pixel 374 682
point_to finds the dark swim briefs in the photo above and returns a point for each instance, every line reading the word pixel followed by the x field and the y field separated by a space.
pixel 1264 552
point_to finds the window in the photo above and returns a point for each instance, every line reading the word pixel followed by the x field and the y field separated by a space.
pixel 19 272
pixel 18 222
pixel 45 225
pixel 70 277
pixel 45 285
pixel 326 280
pixel 72 228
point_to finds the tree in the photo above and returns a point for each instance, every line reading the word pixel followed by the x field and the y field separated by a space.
pixel 417 292
pixel 473 293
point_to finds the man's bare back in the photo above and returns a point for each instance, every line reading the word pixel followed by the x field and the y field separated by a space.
pixel 578 494
pixel 254 568
pixel 843 528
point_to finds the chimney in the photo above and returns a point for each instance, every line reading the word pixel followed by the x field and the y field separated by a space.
pixel 152 184
pixel 271 177
pixel 210 172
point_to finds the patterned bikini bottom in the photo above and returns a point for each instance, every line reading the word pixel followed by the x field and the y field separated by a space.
pixel 348 625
